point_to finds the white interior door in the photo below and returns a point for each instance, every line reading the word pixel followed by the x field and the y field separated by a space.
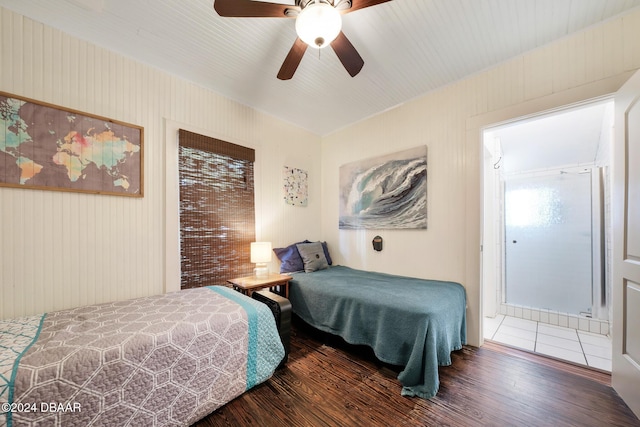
pixel 626 245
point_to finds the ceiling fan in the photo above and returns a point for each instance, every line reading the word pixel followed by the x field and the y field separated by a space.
pixel 318 24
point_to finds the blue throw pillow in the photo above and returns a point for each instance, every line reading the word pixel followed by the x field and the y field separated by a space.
pixel 326 252
pixel 290 260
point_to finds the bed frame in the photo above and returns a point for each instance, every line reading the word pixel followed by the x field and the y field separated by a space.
pixel 281 309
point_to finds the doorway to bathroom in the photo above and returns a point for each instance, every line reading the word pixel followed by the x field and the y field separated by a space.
pixel 546 219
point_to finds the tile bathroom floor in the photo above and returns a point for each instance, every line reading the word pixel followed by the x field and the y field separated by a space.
pixel 584 348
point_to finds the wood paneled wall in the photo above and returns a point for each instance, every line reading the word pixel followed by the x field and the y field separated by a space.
pixel 449 121
pixel 59 249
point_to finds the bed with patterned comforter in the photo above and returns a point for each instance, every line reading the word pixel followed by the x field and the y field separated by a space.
pixel 163 360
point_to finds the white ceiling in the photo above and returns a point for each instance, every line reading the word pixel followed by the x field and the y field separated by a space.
pixel 563 139
pixel 410 47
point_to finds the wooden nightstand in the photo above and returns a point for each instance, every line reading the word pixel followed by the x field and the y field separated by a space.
pixel 248 284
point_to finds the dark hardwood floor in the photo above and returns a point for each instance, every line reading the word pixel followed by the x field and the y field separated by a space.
pixel 330 383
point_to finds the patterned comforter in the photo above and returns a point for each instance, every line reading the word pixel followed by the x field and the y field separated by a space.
pixel 162 360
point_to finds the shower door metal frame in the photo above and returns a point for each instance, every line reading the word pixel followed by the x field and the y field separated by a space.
pixel 600 308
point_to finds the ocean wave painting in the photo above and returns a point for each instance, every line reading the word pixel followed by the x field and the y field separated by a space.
pixel 387 192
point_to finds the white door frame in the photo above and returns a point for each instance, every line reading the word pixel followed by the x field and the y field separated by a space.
pixel 475 127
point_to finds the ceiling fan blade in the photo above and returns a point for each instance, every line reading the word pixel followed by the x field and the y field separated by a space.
pixel 251 9
pixel 361 4
pixel 291 62
pixel 347 54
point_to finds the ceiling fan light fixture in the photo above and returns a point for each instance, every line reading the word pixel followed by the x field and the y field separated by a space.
pixel 318 24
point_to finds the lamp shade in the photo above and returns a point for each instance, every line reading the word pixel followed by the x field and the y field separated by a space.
pixel 318 24
pixel 260 252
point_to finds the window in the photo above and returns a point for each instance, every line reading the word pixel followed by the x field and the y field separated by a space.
pixel 217 210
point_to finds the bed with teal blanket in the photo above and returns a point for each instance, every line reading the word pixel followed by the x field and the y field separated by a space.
pixel 413 323
pixel 162 360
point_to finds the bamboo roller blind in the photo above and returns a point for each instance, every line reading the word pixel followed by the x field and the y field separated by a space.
pixel 217 210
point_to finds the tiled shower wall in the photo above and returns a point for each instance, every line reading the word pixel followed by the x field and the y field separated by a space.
pixel 551 317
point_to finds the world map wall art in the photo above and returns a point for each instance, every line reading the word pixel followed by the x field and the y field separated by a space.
pixel 47 147
pixel 387 192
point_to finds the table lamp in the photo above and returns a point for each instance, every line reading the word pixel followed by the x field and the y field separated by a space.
pixel 261 255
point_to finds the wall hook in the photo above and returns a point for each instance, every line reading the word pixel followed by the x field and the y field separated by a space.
pixel 377 243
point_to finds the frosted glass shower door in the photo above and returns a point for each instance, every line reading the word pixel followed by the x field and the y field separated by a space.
pixel 548 258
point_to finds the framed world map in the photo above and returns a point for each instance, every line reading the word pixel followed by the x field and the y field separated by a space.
pixel 46 147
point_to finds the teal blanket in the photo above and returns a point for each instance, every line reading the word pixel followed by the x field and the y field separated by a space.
pixel 414 323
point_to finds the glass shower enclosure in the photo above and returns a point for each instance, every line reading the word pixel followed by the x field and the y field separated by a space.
pixel 549 241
